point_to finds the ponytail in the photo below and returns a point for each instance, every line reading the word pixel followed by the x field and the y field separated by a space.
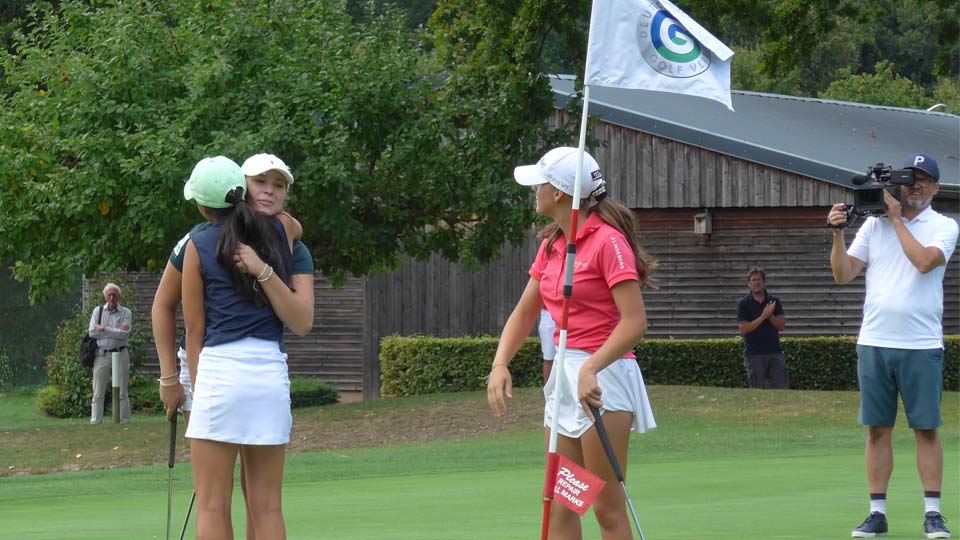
pixel 240 223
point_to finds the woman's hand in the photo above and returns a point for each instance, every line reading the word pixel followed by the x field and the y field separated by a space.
pixel 172 397
pixel 588 390
pixel 248 261
pixel 499 389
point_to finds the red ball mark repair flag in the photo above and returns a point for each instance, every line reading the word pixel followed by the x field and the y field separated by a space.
pixel 575 487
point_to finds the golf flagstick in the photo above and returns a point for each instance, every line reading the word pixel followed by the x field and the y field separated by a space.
pixel 170 460
pixel 552 457
pixel 612 458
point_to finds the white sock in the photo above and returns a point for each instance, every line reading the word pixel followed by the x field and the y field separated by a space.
pixel 878 505
pixel 931 504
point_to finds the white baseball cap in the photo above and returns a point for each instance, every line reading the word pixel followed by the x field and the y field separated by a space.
pixel 261 163
pixel 558 167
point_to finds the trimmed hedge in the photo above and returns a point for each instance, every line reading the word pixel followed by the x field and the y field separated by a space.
pixel 424 365
pixel 312 392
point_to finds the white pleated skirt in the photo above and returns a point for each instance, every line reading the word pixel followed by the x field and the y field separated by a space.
pixel 242 394
pixel 623 390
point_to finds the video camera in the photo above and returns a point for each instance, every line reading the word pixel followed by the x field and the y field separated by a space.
pixel 868 200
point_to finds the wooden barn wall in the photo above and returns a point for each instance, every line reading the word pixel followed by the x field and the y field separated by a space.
pixel 646 171
pixel 332 351
pixel 701 277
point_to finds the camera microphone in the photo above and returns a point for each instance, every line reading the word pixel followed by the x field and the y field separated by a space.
pixel 859 179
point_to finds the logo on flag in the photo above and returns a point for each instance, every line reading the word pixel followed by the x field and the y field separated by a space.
pixel 653 45
pixel 575 487
pixel 668 48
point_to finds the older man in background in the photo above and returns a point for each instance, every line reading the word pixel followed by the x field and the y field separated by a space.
pixel 110 325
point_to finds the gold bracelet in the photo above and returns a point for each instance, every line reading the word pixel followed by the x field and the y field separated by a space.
pixel 175 383
pixel 495 364
pixel 162 377
pixel 263 271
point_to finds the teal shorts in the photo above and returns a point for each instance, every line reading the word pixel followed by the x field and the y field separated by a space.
pixel 916 375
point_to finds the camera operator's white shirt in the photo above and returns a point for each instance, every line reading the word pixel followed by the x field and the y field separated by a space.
pixel 903 309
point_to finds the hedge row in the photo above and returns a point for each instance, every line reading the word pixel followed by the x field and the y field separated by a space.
pixel 423 365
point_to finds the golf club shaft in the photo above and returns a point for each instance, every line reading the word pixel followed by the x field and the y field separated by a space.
pixel 608 449
pixel 186 520
pixel 170 459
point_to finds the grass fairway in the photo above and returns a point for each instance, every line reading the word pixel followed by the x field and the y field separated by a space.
pixel 727 464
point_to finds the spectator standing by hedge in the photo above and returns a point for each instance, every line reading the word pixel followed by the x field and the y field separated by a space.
pixel 760 318
pixel 110 324
pixel 606 319
pixel 900 346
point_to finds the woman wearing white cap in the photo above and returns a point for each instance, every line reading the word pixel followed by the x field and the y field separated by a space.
pixel 606 319
pixel 236 300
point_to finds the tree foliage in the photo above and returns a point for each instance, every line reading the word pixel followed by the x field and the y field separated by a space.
pixel 395 150
pixel 800 46
pixel 882 88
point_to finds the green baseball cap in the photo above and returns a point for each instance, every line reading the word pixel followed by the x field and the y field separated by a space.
pixel 212 178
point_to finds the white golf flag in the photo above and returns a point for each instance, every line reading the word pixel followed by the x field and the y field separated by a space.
pixel 653 45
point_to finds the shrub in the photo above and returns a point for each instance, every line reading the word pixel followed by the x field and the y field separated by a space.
pixel 70 388
pixel 52 400
pixel 422 365
pixel 312 392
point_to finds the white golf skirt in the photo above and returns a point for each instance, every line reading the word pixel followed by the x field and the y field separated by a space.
pixel 623 390
pixel 242 394
pixel 185 380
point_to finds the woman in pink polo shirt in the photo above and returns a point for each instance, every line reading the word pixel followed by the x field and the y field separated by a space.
pixel 606 319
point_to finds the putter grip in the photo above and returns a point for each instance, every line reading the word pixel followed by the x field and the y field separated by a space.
pixel 605 441
pixel 173 441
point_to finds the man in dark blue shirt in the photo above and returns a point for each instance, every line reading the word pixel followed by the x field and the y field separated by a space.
pixel 760 318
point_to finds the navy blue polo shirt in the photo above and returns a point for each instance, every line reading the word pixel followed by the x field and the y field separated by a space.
pixel 766 338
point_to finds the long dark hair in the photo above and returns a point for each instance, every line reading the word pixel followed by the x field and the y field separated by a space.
pixel 622 219
pixel 239 223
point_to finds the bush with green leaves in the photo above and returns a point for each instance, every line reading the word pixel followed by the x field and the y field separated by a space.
pixel 70 391
pixel 308 392
pixel 424 365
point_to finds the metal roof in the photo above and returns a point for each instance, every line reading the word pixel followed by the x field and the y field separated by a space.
pixel 819 138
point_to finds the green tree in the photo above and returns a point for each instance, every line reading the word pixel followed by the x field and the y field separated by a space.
pixel 882 88
pixel 947 92
pixel 396 151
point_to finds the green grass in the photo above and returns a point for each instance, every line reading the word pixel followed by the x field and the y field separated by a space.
pixel 725 464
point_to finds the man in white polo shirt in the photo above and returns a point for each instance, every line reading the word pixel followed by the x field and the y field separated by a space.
pixel 900 348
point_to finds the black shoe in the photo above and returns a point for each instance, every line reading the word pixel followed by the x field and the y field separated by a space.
pixel 933 526
pixel 875 525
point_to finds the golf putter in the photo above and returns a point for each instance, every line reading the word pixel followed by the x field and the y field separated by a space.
pixel 186 520
pixel 170 460
pixel 605 441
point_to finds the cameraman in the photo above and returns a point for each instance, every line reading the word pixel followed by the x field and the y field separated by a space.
pixel 900 347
